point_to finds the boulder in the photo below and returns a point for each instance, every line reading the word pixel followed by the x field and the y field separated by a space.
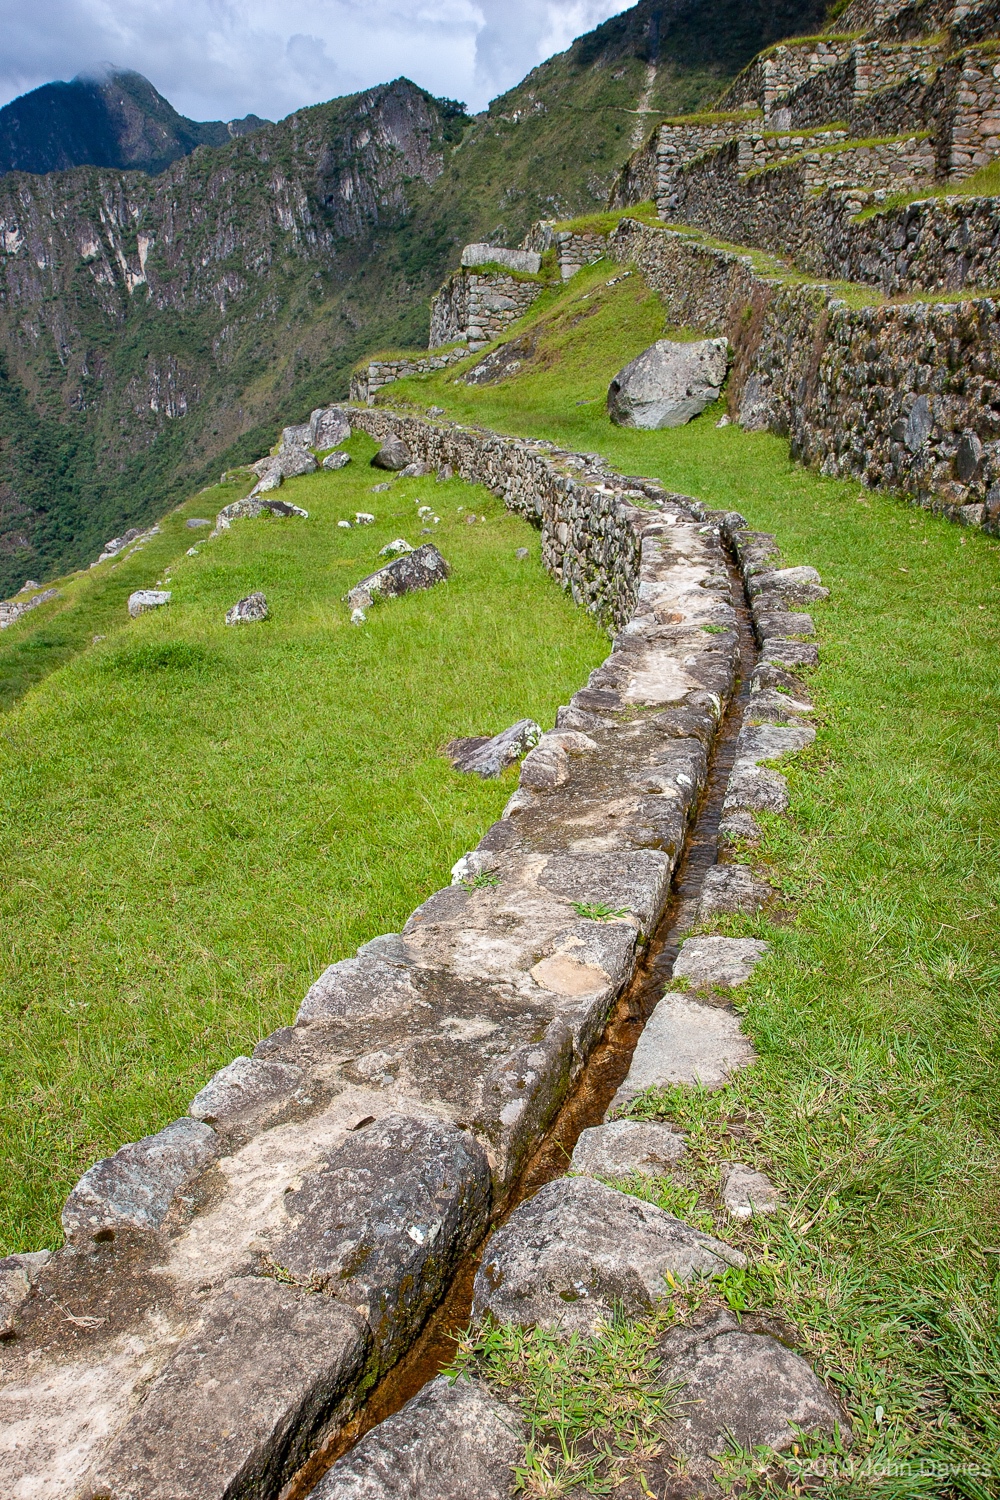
pixel 625 1147
pixel 420 569
pixel 740 1388
pixel 136 1187
pixel 528 262
pixel 271 479
pixel 194 522
pixel 449 1442
pixel 144 600
pixel 328 426
pixel 668 383
pixel 483 756
pixel 570 1255
pixel 294 461
pixel 393 454
pixel 416 471
pixel 336 460
pixel 253 607
pixel 296 437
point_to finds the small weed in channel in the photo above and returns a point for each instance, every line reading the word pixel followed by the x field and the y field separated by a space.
pixel 597 911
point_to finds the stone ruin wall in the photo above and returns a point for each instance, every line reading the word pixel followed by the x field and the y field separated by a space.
pixel 218 1334
pixel 842 383
pixel 479 306
pixel 367 382
pixel 768 78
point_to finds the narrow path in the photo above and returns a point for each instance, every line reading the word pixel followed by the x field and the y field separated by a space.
pixel 642 108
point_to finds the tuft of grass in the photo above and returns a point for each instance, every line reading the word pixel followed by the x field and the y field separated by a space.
pixel 195 819
pixel 598 911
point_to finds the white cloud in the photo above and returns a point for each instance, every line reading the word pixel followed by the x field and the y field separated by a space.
pixel 223 58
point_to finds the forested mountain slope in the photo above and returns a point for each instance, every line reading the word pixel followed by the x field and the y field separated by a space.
pixel 155 329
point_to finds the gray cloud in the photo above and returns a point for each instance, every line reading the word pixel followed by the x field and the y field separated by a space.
pixel 223 58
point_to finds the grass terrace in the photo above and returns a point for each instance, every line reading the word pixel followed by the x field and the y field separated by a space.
pixel 198 819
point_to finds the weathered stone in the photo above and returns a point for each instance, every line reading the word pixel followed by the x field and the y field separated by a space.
pixel 522 553
pixel 283 508
pixel 485 756
pixel 328 426
pixel 625 1146
pixel 193 522
pixel 294 460
pixel 416 471
pixel 685 1042
pixel 240 1403
pixel 668 383
pixel 768 706
pixel 718 963
pixel 336 460
pixel 746 1192
pixel 739 1387
pixel 296 437
pixel 449 1442
pixel 137 1186
pixel 526 261
pixel 15 1289
pixel 577 1250
pixel 419 569
pixel 384 1222
pixel 271 478
pixel 731 888
pixel 444 473
pixel 376 981
pixel 244 1091
pixel 393 454
pixel 250 609
pixel 794 585
pixel 144 600
pixel 755 789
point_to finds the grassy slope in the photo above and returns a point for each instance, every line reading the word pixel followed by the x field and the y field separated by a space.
pixel 877 1018
pixel 196 820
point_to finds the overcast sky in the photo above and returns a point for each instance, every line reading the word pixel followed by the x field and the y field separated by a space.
pixel 220 59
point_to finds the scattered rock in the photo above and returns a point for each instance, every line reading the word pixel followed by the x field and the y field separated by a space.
pixel 718 963
pixel 435 411
pixel 396 548
pixel 445 473
pixel 483 756
pixel 685 1042
pixel 195 521
pixel 336 460
pixel 746 1192
pixel 393 454
pixel 731 888
pixel 378 489
pixel 385 1220
pixel 526 261
pixel 271 479
pixel 364 518
pixel 328 426
pixel 240 1403
pixel 146 599
pixel 449 1442
pixel 668 383
pixel 119 543
pixel 626 1146
pixel 419 569
pixel 137 1186
pixel 252 608
pixel 30 583
pixel 522 553
pixel 416 471
pixel 739 1387
pixel 570 1255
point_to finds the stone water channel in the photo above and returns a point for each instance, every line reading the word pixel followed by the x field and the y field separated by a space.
pixel 602 1075
pixel 242 1292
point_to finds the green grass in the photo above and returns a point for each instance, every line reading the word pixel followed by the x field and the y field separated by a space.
pixel 984 183
pixel 198 819
pixel 877 1017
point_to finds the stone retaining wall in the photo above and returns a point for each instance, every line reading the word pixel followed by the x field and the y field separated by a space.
pixel 776 73
pixel 933 245
pixel 901 396
pixel 233 1286
pixel 479 306
pixel 969 136
pixel 366 383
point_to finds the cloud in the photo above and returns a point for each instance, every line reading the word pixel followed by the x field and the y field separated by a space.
pixel 216 59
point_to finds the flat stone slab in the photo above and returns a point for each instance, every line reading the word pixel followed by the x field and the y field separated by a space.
pixel 623 1147
pixel 685 1042
pixel 718 963
pixel 239 1403
pixel 574 1252
pixel 513 260
pixel 731 888
pixel 485 756
pixel 137 1186
pixel 449 1442
pixel 746 1192
pixel 246 1089
pixel 744 1385
pixel 384 1222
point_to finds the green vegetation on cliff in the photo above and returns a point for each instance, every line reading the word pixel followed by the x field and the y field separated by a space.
pixel 198 819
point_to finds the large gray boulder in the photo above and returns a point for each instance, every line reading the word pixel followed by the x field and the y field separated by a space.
pixel 568 1256
pixel 484 756
pixel 668 383
pixel 420 569
pixel 393 454
pixel 143 600
pixel 328 426
pixel 137 1186
pixel 449 1442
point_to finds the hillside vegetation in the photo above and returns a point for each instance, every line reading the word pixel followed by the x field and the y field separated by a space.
pixel 154 330
pixel 198 819
pixel 876 1018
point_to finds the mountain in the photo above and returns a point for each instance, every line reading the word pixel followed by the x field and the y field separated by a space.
pixel 155 329
pixel 117 121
